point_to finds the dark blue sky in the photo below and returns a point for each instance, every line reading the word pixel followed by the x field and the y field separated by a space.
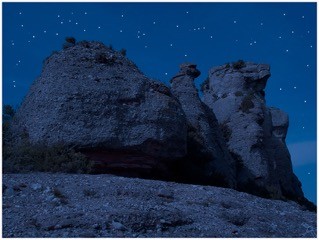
pixel 160 36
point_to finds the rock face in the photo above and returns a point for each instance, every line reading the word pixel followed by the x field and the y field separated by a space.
pixel 94 98
pixel 255 133
pixel 109 206
pixel 206 146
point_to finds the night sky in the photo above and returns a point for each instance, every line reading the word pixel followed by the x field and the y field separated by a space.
pixel 160 36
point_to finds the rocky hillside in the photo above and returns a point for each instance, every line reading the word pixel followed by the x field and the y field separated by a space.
pixel 61 205
pixel 93 100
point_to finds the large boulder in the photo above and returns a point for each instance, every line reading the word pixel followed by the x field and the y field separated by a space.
pixel 255 133
pixel 94 98
pixel 206 146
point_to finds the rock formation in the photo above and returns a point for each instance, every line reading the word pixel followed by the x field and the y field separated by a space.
pixel 92 97
pixel 255 134
pixel 206 146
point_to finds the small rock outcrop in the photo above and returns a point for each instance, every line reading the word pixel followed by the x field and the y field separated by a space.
pixel 255 133
pixel 92 97
pixel 206 147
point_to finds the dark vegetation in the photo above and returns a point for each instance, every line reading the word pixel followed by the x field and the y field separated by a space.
pixel 20 155
pixel 69 42
pixel 123 51
pixel 239 64
pixel 204 85
pixel 104 59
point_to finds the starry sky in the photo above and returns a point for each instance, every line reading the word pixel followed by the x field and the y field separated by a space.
pixel 160 36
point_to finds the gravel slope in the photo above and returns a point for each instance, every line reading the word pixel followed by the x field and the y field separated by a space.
pixel 66 205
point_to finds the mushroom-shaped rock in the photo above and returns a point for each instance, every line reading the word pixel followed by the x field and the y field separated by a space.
pixel 207 151
pixel 92 97
pixel 255 134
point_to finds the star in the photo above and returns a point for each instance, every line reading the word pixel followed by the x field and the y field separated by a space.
pixel 84 30
pixel 261 24
pixel 45 31
pixel 154 22
pixel 292 31
pixel 122 15
pixel 305 101
pixel 255 42
pixel 98 27
pixel 121 31
pixel 21 25
pixel 57 34
pixel 187 12
pixel 311 46
pixel 14 86
pixel 287 50
pixel 171 44
pixel 250 44
pixel 211 36
pixel 85 13
pixel 58 16
pixel 20 13
pixel 284 14
pixel 165 73
pixel 76 23
pixel 280 89
pixel 235 21
pixel 145 46
pixel 307 65
pixel 185 55
pixel 69 20
pixel 279 37
pixel 61 22
pixel 295 87
pixel 144 34
pixel 12 44
pixel 177 26
pixel 308 173
pixel 303 17
pixel 204 28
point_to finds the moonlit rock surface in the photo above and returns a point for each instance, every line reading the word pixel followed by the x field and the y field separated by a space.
pixel 256 133
pixel 205 141
pixel 90 96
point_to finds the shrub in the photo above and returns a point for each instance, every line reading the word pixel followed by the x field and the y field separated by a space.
pixel 27 157
pixel 205 85
pixel 247 103
pixel 123 52
pixel 227 65
pixel 8 110
pixel 102 58
pixel 239 64
pixel 70 40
